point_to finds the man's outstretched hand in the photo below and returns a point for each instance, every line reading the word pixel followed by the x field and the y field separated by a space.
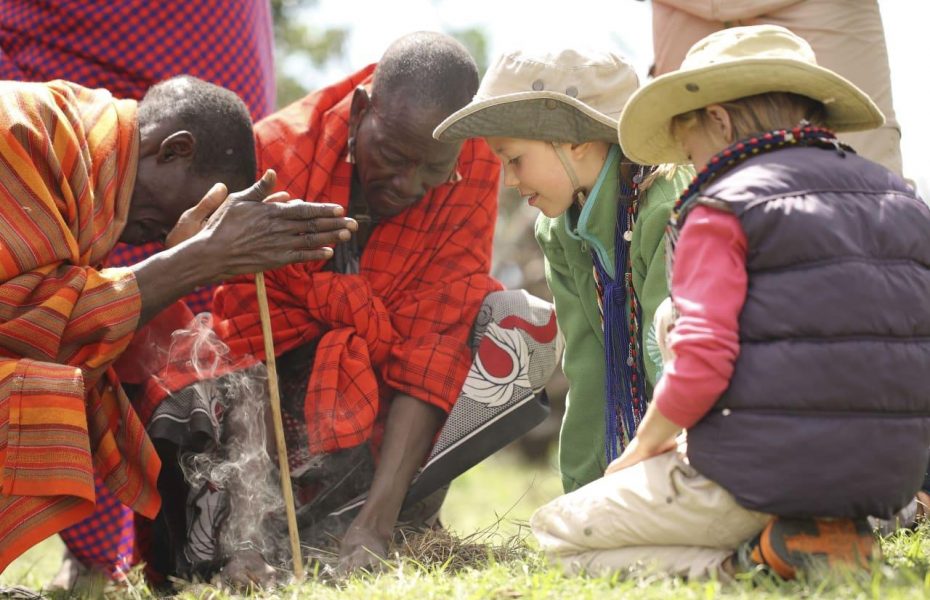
pixel 255 230
pixel 235 234
pixel 409 430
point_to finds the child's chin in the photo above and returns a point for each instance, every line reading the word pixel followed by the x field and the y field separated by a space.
pixel 552 213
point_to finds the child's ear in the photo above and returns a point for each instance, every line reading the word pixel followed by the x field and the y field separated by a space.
pixel 719 122
pixel 579 151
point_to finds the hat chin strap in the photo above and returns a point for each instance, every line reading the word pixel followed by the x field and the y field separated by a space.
pixel 579 194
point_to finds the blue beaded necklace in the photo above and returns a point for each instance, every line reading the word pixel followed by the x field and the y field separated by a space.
pixel 625 398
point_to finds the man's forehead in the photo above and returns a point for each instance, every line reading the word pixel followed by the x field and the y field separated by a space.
pixel 411 128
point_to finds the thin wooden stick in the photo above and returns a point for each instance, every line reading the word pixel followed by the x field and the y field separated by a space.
pixel 286 488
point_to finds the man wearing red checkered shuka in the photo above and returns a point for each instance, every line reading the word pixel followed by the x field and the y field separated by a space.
pixel 377 345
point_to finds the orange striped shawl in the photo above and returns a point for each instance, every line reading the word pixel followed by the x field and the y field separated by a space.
pixel 68 159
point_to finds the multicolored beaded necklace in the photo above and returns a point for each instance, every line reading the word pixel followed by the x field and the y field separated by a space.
pixel 802 135
pixel 624 390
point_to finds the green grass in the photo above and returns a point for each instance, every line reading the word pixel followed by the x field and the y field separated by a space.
pixel 36 567
pixel 496 498
pixel 499 495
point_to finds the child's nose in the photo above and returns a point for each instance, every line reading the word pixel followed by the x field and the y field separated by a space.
pixel 510 179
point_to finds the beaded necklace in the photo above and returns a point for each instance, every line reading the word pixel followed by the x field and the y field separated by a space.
pixel 802 135
pixel 625 400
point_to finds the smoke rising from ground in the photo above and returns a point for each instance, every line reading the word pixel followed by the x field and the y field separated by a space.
pixel 248 513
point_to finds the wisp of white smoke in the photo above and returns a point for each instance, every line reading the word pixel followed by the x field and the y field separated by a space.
pixel 238 461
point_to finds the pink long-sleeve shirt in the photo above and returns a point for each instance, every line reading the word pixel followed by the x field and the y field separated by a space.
pixel 709 285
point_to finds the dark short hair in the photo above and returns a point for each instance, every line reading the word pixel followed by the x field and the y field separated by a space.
pixel 219 121
pixel 432 70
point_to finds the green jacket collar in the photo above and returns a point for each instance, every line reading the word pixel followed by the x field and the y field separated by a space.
pixel 597 220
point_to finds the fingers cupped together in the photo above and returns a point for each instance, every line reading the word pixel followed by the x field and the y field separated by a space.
pixel 325 238
pixel 257 236
pixel 318 221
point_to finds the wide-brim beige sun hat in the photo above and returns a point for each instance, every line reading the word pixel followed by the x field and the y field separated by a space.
pixel 569 96
pixel 732 64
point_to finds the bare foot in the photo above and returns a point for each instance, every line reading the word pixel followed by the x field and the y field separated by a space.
pixel 923 505
pixel 77 579
pixel 68 572
pixel 248 568
pixel 361 548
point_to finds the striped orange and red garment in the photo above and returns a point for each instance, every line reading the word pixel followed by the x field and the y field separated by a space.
pixel 68 159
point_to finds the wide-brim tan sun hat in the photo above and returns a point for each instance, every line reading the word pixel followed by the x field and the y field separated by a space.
pixel 732 64
pixel 569 96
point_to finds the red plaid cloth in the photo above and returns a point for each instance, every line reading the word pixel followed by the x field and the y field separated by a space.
pixel 126 46
pixel 405 320
pixel 106 538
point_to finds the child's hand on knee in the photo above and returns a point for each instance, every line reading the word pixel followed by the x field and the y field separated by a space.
pixel 637 452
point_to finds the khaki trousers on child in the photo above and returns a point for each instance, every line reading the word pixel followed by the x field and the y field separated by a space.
pixel 660 513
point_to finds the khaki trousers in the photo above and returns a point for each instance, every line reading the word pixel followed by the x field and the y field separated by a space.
pixel 847 36
pixel 660 513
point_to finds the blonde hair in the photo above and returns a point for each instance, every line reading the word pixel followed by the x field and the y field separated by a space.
pixel 754 115
pixel 667 171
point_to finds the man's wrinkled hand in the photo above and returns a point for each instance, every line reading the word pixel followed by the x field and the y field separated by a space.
pixel 194 219
pixel 361 549
pixel 255 230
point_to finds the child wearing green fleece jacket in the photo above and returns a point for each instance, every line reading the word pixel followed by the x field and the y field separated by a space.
pixel 551 119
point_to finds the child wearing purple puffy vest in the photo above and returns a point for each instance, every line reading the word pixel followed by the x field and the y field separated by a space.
pixel 799 280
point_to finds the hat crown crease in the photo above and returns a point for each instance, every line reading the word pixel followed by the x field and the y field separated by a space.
pixel 767 42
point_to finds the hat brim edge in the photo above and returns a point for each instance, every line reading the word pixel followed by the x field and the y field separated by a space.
pixel 493 117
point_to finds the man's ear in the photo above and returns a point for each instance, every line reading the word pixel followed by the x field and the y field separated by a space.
pixel 178 145
pixel 361 101
pixel 719 122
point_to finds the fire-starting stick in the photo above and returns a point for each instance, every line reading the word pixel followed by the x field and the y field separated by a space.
pixel 286 488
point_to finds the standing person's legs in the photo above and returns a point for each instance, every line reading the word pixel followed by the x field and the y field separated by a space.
pixel 678 24
pixel 674 31
pixel 660 512
pixel 848 37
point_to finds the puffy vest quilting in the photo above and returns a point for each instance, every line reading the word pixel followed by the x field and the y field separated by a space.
pixel 828 410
